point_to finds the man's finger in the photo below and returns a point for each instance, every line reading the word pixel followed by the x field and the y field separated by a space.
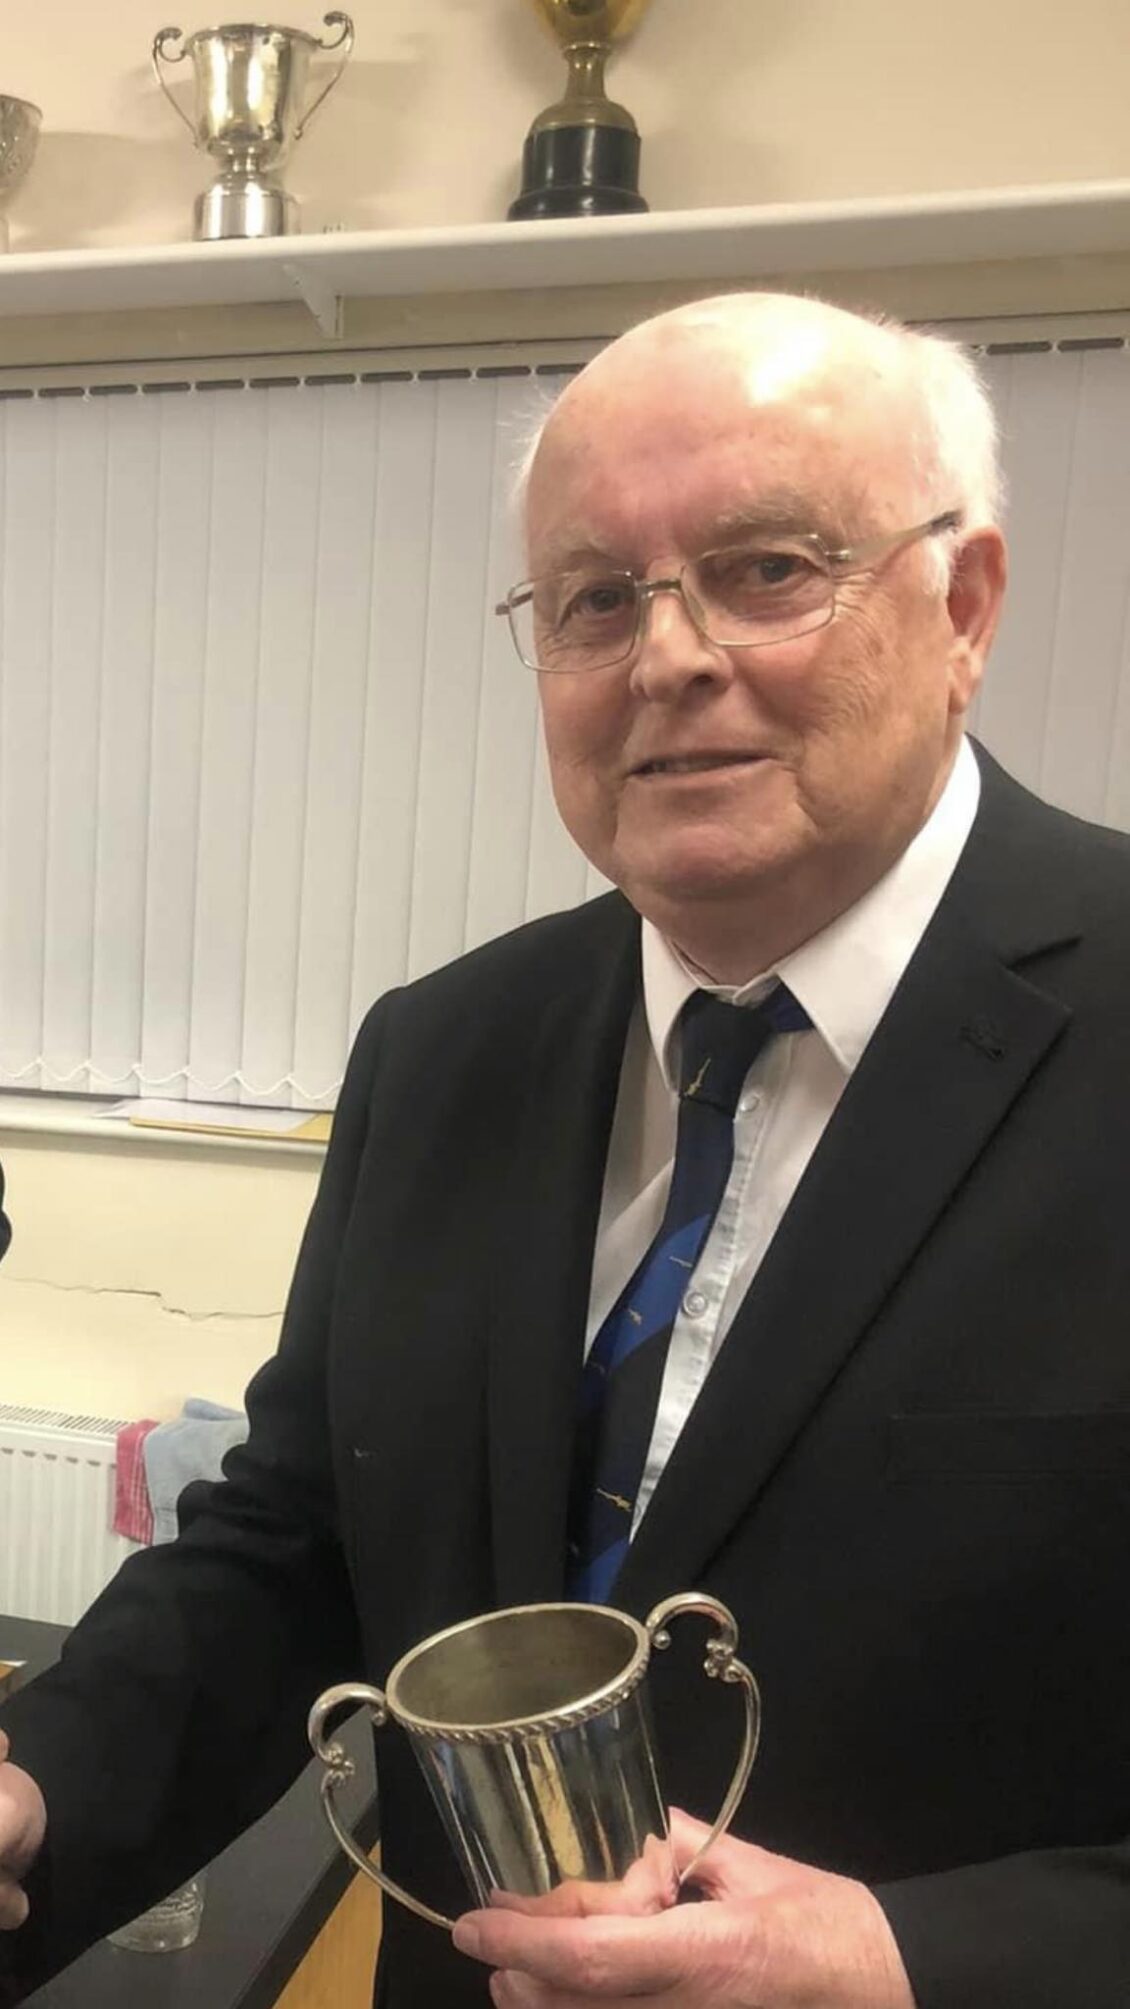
pixel 13 1905
pixel 648 1885
pixel 687 1835
pixel 715 1873
pixel 729 1868
pixel 5 1747
pixel 513 1991
pixel 591 1956
pixel 574 1899
pixel 517 1991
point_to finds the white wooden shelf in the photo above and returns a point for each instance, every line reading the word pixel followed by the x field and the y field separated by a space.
pixel 965 227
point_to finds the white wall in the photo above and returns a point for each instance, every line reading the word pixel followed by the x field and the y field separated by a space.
pixel 740 101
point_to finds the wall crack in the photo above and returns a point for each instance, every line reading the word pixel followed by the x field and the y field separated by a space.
pixel 154 1297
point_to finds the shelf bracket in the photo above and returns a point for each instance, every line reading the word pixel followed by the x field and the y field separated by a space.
pixel 326 306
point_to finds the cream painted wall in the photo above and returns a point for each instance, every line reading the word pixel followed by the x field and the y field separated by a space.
pixel 142 1273
pixel 740 101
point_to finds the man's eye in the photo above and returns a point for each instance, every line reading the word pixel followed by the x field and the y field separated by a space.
pixel 601 601
pixel 756 571
pixel 777 568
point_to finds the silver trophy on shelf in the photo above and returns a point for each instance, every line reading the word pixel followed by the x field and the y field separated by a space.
pixel 250 109
pixel 19 135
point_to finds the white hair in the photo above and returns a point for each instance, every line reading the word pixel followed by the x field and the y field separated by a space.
pixel 956 451
pixel 527 439
pixel 953 451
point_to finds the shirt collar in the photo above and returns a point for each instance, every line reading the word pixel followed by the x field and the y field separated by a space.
pixel 846 975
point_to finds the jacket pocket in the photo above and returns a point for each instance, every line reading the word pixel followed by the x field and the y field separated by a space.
pixel 1008 1446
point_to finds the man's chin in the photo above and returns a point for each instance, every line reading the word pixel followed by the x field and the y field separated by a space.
pixel 695 879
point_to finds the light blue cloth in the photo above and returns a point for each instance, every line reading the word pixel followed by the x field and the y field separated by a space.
pixel 191 1447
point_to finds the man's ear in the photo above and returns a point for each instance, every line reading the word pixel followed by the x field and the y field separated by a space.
pixel 976 592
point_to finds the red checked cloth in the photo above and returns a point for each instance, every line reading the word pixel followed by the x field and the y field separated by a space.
pixel 133 1514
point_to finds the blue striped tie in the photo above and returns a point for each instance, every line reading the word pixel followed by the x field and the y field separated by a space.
pixel 624 1371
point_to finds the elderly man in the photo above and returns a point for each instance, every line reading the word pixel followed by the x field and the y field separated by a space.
pixel 847 1052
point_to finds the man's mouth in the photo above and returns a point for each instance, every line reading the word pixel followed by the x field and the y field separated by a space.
pixel 694 763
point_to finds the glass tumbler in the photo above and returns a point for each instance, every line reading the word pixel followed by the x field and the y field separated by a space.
pixel 166 1927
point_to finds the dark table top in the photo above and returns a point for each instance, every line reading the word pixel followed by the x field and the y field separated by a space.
pixel 267 1898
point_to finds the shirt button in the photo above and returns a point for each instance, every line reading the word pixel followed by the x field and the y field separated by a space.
pixel 694 1304
pixel 750 1101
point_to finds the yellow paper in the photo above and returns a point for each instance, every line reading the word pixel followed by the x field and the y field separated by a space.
pixel 235 1120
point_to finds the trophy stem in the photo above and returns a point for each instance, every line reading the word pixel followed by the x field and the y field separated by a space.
pixel 585 86
pixel 242 204
pixel 582 155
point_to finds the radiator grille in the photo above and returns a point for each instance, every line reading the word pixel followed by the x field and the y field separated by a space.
pixel 57 1545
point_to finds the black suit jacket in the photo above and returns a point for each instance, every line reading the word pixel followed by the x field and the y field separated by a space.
pixel 908 1474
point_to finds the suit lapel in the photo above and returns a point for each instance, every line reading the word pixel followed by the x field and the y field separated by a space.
pixel 961 1038
pixel 543 1261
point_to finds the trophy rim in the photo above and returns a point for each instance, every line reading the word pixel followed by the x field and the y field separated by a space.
pixel 24 104
pixel 251 28
pixel 506 1730
pixel 624 29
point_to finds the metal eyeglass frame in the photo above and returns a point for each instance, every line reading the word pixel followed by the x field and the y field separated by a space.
pixel 835 564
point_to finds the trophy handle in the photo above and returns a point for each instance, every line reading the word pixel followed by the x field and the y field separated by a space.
pixel 343 41
pixel 158 56
pixel 339 1767
pixel 721 1664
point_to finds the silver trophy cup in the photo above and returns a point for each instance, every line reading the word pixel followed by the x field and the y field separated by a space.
pixel 532 1729
pixel 19 134
pixel 250 109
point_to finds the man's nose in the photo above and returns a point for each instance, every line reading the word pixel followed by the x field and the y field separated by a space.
pixel 672 651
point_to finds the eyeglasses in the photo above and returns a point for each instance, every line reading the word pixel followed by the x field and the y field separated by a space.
pixel 769 587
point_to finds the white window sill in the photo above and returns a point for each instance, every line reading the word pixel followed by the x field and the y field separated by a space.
pixel 85 1116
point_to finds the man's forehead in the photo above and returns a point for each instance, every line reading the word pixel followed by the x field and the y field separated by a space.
pixel 792 351
pixel 728 515
pixel 688 401
pixel 691 476
pixel 667 407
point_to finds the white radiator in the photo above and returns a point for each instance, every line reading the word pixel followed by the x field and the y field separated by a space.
pixel 57 1545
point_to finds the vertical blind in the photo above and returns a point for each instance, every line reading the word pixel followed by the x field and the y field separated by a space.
pixel 1055 705
pixel 265 750
pixel 264 747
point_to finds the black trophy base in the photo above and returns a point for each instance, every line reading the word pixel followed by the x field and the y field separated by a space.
pixel 579 171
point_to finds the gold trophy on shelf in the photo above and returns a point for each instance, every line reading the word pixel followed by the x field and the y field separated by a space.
pixel 582 154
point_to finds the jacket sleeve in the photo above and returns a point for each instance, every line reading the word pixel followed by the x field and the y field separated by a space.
pixel 176 1714
pixel 1039 1930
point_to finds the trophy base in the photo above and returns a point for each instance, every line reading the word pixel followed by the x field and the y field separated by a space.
pixel 236 206
pixel 585 170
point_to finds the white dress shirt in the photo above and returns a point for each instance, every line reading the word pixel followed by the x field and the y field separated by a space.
pixel 845 978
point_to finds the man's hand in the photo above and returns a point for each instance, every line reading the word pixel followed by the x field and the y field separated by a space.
pixel 23 1824
pixel 776 1934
